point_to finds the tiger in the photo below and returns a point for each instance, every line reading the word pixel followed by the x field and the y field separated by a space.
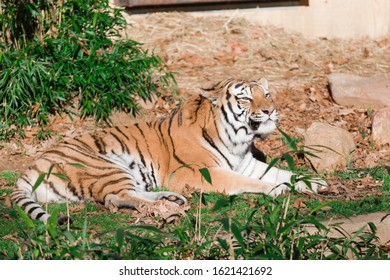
pixel 124 165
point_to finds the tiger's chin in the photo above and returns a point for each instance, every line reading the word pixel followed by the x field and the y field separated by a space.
pixel 263 129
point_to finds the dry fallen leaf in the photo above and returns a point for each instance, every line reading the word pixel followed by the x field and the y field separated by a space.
pixel 7 201
pixel 164 209
pixel 11 236
pixel 76 208
pixel 299 203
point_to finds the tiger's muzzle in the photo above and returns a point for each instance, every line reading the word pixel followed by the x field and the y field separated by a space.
pixel 264 116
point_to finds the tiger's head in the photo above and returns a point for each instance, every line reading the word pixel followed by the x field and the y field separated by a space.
pixel 245 105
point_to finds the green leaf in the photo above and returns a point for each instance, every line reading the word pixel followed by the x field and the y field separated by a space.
pixel 315 209
pixel 206 175
pixel 69 236
pixel 272 163
pixel 38 182
pixel 120 237
pixel 50 170
pixel 291 143
pixel 221 203
pixel 61 176
pixel 52 223
pixel 290 161
pixel 77 165
pixel 24 216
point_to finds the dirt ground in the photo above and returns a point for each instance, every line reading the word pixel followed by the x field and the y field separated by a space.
pixel 205 50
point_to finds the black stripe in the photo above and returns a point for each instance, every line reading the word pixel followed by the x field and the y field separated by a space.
pixel 110 183
pixel 217 130
pixel 83 146
pixel 27 203
pixel 171 118
pixel 32 209
pixel 238 85
pixel 94 157
pixel 199 101
pixel 150 154
pixel 17 197
pixel 118 191
pixel 74 191
pixel 224 113
pixel 140 153
pixel 231 110
pixel 82 194
pixel 40 215
pixel 162 135
pixel 90 189
pixel 145 140
pixel 212 144
pixel 153 175
pixel 180 118
pixel 175 156
pixel 26 180
pixel 121 132
pixel 158 133
pixel 54 189
pixel 123 146
pixel 99 144
pixel 143 177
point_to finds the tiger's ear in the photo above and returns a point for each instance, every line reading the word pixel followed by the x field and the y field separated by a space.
pixel 210 94
pixel 264 83
pixel 215 91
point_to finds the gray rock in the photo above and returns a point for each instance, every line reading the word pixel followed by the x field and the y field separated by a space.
pixel 360 92
pixel 381 126
pixel 332 145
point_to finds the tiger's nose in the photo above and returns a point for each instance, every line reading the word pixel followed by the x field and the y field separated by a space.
pixel 268 111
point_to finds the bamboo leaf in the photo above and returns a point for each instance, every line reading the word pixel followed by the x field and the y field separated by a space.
pixel 38 182
pixel 315 209
pixel 221 203
pixel 290 161
pixel 61 176
pixel 51 170
pixel 24 216
pixel 77 165
pixel 291 143
pixel 206 175
pixel 273 162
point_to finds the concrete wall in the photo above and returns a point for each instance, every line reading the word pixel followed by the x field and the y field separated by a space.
pixel 326 18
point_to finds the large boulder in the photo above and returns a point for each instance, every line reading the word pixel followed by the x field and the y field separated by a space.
pixel 360 92
pixel 332 146
pixel 381 126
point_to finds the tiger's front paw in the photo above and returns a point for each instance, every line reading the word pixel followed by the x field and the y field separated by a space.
pixel 315 185
pixel 280 189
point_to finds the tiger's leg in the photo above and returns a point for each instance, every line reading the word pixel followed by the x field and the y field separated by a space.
pixel 130 188
pixel 253 168
pixel 222 181
pixel 131 198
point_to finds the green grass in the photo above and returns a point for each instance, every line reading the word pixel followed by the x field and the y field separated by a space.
pixel 274 226
pixel 10 177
